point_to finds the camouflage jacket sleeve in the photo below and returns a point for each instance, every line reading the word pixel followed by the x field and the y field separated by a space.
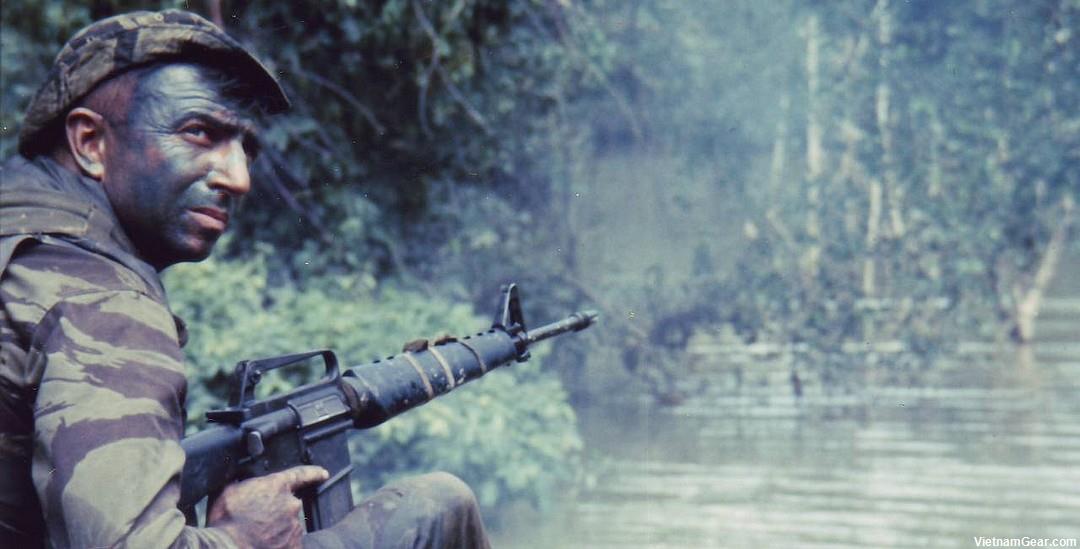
pixel 109 409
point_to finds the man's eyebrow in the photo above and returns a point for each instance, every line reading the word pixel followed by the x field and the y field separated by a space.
pixel 226 122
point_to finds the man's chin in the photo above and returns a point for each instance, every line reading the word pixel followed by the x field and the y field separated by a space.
pixel 189 252
pixel 195 257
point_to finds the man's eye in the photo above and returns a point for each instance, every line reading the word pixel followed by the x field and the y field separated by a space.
pixel 200 133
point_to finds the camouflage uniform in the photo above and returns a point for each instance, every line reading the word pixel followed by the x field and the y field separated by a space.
pixel 92 374
pixel 92 382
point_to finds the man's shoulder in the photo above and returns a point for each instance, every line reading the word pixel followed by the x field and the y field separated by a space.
pixel 43 272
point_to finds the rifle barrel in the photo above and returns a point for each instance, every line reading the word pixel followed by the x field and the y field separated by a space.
pixel 575 322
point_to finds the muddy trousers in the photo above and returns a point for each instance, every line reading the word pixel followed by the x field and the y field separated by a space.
pixel 436 511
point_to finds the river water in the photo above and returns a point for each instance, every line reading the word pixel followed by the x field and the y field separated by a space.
pixel 887 467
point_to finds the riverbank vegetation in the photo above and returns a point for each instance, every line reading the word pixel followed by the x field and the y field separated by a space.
pixel 821 175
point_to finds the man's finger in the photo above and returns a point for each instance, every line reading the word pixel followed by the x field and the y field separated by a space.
pixel 300 476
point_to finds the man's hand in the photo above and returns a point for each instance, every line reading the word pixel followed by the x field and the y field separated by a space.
pixel 262 511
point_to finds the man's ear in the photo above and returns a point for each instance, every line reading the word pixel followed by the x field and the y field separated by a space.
pixel 85 130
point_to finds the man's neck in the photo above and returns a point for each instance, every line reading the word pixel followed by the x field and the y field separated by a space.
pixel 62 156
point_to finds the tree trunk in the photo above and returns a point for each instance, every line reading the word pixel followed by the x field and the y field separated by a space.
pixel 779 151
pixel 873 219
pixel 815 153
pixel 1028 298
pixel 883 110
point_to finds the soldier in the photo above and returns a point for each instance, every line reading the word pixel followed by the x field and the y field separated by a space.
pixel 133 155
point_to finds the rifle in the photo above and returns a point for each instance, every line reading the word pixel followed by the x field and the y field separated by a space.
pixel 309 424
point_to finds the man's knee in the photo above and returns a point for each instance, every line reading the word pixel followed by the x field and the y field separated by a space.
pixel 446 493
pixel 432 510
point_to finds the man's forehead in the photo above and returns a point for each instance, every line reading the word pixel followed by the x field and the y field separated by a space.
pixel 184 89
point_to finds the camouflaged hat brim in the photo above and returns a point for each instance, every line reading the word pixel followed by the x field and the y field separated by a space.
pixel 111 46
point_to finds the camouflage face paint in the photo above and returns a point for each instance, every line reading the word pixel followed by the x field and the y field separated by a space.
pixel 178 163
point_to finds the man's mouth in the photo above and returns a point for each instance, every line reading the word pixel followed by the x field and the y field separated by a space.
pixel 211 218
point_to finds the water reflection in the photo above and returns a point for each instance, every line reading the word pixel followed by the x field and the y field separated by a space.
pixel 888 468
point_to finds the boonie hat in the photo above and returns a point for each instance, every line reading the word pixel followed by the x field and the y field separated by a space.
pixel 113 45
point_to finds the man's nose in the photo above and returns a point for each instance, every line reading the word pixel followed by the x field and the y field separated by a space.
pixel 230 173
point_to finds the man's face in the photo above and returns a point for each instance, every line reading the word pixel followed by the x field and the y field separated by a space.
pixel 177 163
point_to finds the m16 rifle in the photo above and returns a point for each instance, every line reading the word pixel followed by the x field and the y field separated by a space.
pixel 310 424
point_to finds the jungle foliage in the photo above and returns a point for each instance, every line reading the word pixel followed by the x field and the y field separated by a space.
pixel 842 172
pixel 936 153
pixel 903 175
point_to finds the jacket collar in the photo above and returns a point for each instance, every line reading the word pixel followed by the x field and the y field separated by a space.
pixel 41 197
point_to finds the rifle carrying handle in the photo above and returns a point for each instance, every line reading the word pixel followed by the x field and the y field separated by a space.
pixel 249 372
